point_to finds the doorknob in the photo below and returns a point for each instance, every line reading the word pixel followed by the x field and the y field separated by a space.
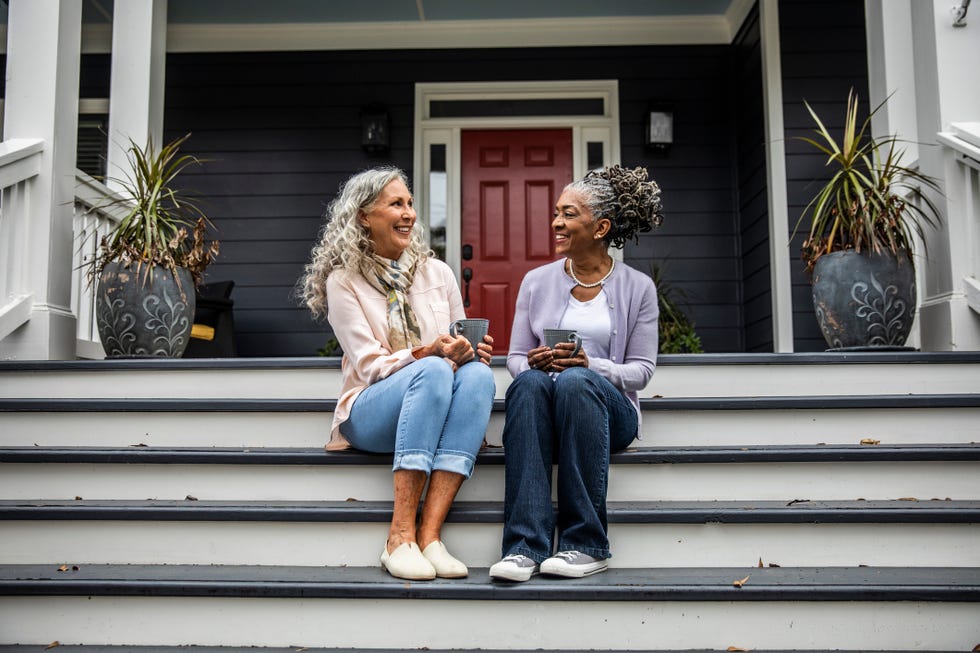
pixel 467 277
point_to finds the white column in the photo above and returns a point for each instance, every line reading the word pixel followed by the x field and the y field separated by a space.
pixel 779 256
pixel 945 61
pixel 139 53
pixel 43 54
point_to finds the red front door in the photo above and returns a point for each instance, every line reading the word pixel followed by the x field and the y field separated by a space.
pixel 510 181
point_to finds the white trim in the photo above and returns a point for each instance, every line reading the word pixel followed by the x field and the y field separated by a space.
pixel 390 35
pixel 429 131
pixel 16 312
pixel 780 280
pixel 971 290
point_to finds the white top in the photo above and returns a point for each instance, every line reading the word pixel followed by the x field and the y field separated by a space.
pixel 590 320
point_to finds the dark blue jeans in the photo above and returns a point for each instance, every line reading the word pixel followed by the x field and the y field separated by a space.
pixel 575 420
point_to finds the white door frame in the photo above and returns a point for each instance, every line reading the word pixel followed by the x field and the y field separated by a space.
pixel 429 131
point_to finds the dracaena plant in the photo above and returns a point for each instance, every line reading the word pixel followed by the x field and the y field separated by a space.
pixel 871 203
pixel 161 226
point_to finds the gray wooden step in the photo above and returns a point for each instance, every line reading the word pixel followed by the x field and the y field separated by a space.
pixel 62 648
pixel 955 585
pixel 935 511
pixel 860 608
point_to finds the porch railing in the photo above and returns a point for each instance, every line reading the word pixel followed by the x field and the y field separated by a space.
pixel 963 190
pixel 20 163
pixel 94 218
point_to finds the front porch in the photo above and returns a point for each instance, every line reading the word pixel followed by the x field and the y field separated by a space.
pixel 736 182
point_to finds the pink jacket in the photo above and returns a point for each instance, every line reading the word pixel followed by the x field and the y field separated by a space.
pixel 357 313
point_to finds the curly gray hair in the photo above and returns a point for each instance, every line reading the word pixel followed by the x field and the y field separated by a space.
pixel 625 198
pixel 343 240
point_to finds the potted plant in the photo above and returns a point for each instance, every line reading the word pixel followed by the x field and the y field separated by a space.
pixel 148 265
pixel 862 221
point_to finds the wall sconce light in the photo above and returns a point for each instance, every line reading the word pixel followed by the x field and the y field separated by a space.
pixel 374 129
pixel 659 128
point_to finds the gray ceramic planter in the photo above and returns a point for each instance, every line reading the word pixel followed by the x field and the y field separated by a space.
pixel 144 317
pixel 863 300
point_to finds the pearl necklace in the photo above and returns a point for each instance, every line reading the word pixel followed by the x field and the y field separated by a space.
pixel 571 271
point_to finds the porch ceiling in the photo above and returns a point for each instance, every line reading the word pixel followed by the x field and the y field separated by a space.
pixel 237 25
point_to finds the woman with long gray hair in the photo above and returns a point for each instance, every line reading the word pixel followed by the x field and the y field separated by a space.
pixel 408 386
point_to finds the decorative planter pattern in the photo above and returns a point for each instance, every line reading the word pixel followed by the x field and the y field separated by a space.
pixel 864 300
pixel 144 316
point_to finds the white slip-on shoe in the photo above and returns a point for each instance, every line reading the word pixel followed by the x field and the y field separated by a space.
pixel 514 567
pixel 446 566
pixel 407 562
pixel 573 564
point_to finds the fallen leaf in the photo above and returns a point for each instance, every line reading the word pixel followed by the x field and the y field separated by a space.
pixel 301 648
pixel 52 645
pixel 74 567
pixel 907 499
pixel 190 498
pixel 870 441
pixel 739 583
pixel 138 445
pixel 78 498
pixel 735 648
pixel 760 563
pixel 351 499
pixel 976 648
pixel 773 564
pixel 656 396
pixel 798 501
pixel 63 568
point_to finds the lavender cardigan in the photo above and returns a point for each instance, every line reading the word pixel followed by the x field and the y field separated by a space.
pixel 633 313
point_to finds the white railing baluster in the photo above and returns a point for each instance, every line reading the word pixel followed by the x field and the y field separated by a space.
pixel 95 215
pixel 20 163
pixel 963 141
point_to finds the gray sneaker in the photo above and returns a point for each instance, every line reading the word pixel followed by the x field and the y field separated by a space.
pixel 573 564
pixel 514 567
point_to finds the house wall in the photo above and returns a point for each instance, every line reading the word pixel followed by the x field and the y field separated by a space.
pixel 750 171
pixel 282 132
pixel 824 55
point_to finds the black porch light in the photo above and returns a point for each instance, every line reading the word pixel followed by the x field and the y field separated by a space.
pixel 374 129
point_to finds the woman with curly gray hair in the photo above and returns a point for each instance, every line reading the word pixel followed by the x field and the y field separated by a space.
pixel 575 402
pixel 408 386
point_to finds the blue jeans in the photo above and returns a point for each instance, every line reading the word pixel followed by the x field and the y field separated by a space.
pixel 574 420
pixel 428 416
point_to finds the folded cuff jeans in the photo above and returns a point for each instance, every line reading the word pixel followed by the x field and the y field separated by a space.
pixel 575 420
pixel 430 417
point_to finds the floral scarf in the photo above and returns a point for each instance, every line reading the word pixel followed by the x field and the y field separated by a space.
pixel 393 279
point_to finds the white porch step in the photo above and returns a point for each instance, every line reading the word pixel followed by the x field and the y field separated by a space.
pixel 706 421
pixel 869 608
pixel 674 533
pixel 678 375
pixel 759 473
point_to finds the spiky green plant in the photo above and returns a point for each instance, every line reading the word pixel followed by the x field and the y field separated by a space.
pixel 676 331
pixel 161 226
pixel 865 204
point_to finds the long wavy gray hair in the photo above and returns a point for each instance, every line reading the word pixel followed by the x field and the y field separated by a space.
pixel 343 240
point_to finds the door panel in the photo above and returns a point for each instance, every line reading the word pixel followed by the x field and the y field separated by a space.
pixel 510 181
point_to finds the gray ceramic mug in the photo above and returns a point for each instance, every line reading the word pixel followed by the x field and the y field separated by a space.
pixel 553 336
pixel 473 329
